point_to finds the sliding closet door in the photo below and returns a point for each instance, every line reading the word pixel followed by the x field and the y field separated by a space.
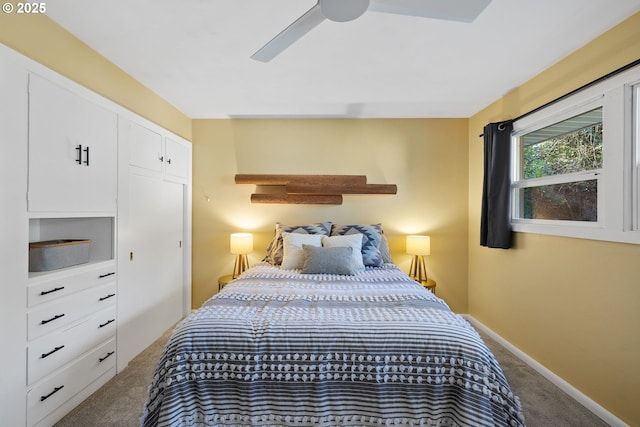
pixel 151 296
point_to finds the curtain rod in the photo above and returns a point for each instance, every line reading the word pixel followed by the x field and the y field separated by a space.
pixel 583 87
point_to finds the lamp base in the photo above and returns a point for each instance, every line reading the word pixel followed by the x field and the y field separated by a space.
pixel 242 264
pixel 418 271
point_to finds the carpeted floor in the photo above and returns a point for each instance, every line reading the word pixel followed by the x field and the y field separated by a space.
pixel 119 403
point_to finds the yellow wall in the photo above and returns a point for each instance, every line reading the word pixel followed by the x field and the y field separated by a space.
pixel 571 304
pixel 42 40
pixel 426 158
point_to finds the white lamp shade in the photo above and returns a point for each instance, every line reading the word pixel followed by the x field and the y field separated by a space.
pixel 418 245
pixel 241 243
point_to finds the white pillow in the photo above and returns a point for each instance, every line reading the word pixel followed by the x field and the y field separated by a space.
pixel 353 241
pixel 293 255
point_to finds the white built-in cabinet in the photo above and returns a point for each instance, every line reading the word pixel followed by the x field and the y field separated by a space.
pixel 151 152
pixel 77 166
pixel 72 151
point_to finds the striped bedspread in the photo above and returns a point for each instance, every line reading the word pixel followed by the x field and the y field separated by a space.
pixel 279 348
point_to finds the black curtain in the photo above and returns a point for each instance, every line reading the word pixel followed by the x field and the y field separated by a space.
pixel 495 221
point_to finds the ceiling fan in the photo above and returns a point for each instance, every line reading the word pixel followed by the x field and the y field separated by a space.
pixel 348 10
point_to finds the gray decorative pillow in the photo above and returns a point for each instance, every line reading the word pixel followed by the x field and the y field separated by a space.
pixel 275 249
pixel 371 255
pixel 319 260
pixel 353 241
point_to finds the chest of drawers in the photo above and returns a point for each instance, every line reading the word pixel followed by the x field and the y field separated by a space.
pixel 71 326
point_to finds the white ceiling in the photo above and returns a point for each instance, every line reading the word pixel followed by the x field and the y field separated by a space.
pixel 195 54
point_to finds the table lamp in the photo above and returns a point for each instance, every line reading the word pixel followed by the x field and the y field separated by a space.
pixel 418 246
pixel 241 244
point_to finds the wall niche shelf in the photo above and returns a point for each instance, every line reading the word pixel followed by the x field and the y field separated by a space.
pixel 310 189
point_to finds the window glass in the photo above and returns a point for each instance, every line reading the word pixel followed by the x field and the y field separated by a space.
pixel 572 145
pixel 571 201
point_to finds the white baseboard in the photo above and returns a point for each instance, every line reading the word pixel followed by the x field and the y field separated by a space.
pixel 563 385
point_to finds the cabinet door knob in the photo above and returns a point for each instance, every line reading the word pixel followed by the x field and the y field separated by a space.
pixel 168 160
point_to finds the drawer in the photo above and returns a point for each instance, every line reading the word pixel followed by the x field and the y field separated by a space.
pixel 53 350
pixel 52 392
pixel 64 311
pixel 45 289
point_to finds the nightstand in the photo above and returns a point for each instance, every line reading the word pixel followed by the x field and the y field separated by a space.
pixel 222 281
pixel 429 284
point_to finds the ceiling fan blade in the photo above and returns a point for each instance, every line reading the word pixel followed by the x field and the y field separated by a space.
pixel 291 34
pixel 452 10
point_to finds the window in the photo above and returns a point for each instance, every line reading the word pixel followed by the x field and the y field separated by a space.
pixel 576 164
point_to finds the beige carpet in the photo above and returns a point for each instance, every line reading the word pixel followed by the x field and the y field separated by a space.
pixel 119 403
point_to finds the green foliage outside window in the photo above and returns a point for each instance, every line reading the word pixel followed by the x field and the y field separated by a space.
pixel 576 151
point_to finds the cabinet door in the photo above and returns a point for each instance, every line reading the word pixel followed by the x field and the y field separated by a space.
pixel 72 151
pixel 176 159
pixel 150 281
pixel 145 147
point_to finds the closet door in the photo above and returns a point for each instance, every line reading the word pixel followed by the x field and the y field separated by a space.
pixel 72 151
pixel 151 292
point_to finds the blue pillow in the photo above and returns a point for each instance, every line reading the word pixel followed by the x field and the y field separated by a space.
pixel 371 255
pixel 275 249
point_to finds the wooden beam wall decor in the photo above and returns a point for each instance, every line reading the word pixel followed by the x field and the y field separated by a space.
pixel 298 199
pixel 341 189
pixel 300 179
pixel 310 189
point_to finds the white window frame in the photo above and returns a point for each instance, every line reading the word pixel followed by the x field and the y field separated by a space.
pixel 618 179
pixel 633 223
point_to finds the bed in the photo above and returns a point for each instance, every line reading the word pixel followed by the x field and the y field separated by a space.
pixel 293 347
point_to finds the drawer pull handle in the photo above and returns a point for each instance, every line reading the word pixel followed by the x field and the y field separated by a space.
pixel 107 322
pixel 57 316
pixel 102 359
pixel 102 276
pixel 107 297
pixel 51 352
pixel 55 390
pixel 52 290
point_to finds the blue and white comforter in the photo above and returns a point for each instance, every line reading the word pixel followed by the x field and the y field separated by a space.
pixel 280 348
